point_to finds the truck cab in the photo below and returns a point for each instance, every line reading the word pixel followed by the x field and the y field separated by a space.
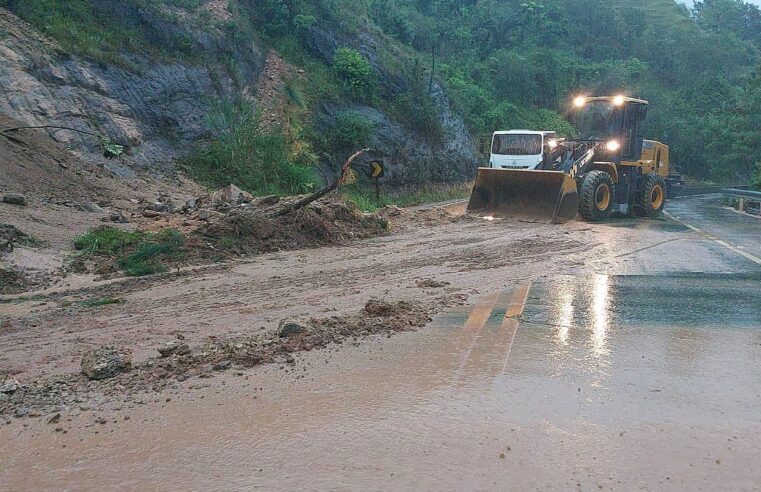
pixel 520 149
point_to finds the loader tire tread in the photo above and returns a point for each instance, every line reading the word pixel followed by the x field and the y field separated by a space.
pixel 645 205
pixel 588 202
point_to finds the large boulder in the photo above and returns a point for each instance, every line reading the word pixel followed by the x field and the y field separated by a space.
pixel 106 362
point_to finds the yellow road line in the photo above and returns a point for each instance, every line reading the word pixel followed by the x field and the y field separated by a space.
pixel 481 312
pixel 715 239
pixel 515 309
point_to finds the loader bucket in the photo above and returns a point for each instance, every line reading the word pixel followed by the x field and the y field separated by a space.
pixel 547 196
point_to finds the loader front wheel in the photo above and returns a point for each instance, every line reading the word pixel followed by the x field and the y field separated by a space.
pixel 597 193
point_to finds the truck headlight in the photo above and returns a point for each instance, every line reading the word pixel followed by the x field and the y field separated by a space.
pixel 613 146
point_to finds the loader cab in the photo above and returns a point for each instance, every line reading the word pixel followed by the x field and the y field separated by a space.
pixel 614 121
pixel 519 149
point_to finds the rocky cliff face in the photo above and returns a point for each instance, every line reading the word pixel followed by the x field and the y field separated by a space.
pixel 159 108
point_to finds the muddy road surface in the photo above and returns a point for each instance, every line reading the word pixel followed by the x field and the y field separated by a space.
pixel 621 355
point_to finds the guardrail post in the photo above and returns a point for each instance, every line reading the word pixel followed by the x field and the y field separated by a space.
pixel 741 204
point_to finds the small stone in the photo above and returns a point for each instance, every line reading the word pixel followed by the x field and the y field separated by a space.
pixel 287 328
pixel 150 214
pixel 14 199
pixel 92 207
pixel 289 359
pixel 174 347
pixel 54 419
pixel 9 386
pixel 223 365
pixel 106 362
pixel 204 215
pixel 22 412
pixel 269 200
pixel 118 218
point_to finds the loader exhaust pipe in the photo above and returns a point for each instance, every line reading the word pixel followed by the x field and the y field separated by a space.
pixel 542 196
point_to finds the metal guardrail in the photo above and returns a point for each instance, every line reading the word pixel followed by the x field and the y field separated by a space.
pixel 744 200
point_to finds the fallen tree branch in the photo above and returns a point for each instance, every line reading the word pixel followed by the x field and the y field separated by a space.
pixel 319 194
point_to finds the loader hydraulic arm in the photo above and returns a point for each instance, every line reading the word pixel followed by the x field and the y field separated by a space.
pixel 573 165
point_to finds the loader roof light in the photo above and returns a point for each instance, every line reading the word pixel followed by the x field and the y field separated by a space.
pixel 613 145
pixel 619 100
pixel 552 143
pixel 580 101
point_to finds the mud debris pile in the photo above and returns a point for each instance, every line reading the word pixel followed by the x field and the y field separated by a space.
pixel 109 376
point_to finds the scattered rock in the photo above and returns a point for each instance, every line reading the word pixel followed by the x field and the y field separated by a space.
pixel 150 213
pixel 9 386
pixel 231 194
pixel 106 362
pixel 429 283
pixel 92 207
pixel 287 328
pixel 269 200
pixel 222 365
pixel 54 419
pixel 14 199
pixel 22 412
pixel 117 217
pixel 175 347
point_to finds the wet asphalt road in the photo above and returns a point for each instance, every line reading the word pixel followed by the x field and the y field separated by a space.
pixel 585 382
pixel 706 214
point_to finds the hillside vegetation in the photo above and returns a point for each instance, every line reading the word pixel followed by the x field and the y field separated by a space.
pixel 499 63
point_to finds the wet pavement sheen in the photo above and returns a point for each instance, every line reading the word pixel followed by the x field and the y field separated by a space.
pixel 584 382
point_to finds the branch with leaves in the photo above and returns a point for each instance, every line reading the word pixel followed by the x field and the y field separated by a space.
pixel 345 177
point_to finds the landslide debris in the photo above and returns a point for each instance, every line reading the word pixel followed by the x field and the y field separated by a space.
pixel 109 375
pixel 215 227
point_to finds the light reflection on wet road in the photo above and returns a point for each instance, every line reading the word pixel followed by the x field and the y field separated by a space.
pixel 559 384
pixel 587 381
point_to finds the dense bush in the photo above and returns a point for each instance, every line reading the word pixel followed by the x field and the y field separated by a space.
pixel 241 153
pixel 355 69
pixel 352 130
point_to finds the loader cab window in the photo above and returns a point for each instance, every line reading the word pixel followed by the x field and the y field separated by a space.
pixel 632 143
pixel 514 144
pixel 599 120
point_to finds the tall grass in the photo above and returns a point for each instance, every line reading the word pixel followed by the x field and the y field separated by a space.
pixel 364 197
pixel 137 253
pixel 242 154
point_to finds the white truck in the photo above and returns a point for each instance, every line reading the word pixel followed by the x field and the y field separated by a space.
pixel 520 149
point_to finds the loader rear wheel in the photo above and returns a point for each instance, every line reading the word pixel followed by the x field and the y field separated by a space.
pixel 651 198
pixel 597 192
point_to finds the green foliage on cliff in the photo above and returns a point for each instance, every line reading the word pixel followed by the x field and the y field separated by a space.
pixel 242 153
pixel 502 63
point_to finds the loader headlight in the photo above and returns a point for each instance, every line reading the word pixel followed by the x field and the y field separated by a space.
pixel 613 146
pixel 619 100
pixel 580 101
pixel 552 143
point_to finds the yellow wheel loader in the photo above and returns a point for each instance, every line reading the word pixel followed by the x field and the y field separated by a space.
pixel 609 169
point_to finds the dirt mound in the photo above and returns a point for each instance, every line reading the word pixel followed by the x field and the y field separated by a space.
pixel 219 354
pixel 255 229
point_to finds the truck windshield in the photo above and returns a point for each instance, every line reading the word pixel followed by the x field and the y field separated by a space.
pixel 600 120
pixel 517 145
